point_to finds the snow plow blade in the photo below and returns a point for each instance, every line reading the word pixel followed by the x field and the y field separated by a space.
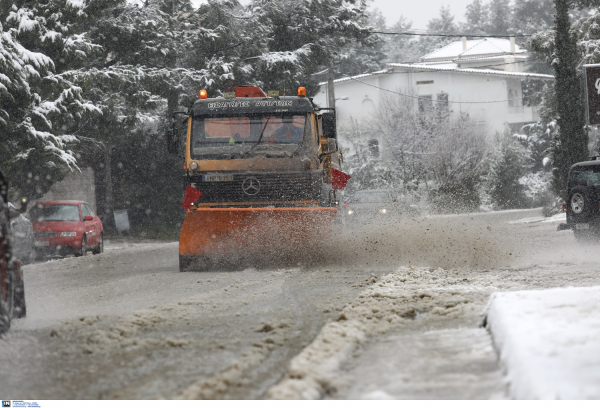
pixel 218 238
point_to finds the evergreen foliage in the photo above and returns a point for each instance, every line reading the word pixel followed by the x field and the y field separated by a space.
pixel 40 109
pixel 505 190
pixel 571 143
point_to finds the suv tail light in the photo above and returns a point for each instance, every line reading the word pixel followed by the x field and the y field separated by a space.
pixel 564 206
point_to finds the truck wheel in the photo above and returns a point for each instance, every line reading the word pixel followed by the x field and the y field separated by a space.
pixel 20 309
pixel 189 263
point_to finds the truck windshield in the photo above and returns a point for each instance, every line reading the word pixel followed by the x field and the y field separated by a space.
pixel 239 134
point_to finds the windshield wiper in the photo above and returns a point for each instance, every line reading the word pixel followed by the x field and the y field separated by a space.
pixel 259 138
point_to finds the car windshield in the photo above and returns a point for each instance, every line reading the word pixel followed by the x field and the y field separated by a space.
pixel 585 176
pixel 55 212
pixel 363 197
pixel 223 135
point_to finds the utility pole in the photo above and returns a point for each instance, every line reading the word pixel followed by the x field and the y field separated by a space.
pixel 330 88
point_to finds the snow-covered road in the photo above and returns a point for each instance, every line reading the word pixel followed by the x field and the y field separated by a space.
pixel 394 312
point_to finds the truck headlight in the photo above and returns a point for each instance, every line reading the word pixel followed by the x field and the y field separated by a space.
pixel 383 211
pixel 350 212
pixel 193 165
pixel 68 234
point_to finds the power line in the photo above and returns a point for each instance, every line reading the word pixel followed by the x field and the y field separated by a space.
pixel 450 35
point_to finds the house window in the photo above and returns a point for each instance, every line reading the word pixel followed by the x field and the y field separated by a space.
pixel 425 103
pixel 513 98
pixel 374 147
pixel 424 82
pixel 442 102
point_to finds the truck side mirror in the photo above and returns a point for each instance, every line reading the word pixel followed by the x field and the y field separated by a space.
pixel 329 125
pixel 332 145
pixel 172 140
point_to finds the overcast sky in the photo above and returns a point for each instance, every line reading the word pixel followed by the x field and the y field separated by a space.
pixel 419 12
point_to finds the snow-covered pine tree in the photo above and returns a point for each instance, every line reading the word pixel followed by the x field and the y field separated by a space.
pixel 443 24
pixel 41 109
pixel 509 165
pixel 532 16
pixel 477 17
pixel 303 37
pixel 500 17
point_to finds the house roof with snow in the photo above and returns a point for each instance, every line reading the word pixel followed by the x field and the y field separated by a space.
pixel 455 68
pixel 464 49
pixel 451 67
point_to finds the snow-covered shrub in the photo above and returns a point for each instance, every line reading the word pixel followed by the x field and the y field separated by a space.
pixel 508 165
pixel 367 169
pixel 430 147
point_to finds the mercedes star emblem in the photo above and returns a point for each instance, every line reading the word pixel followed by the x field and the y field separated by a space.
pixel 251 186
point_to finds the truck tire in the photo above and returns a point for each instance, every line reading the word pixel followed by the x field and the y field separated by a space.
pixel 191 263
pixel 6 272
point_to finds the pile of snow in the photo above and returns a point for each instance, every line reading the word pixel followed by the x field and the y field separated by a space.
pixel 549 341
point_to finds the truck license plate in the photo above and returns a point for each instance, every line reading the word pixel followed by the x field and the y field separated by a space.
pixel 582 226
pixel 217 177
pixel 42 243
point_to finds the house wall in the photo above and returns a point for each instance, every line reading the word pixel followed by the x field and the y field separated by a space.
pixel 468 93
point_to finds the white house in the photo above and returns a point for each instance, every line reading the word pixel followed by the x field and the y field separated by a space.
pixel 480 77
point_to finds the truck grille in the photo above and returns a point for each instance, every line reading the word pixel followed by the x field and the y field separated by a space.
pixel 261 187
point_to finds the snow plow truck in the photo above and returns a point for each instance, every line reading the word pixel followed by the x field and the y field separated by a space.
pixel 261 174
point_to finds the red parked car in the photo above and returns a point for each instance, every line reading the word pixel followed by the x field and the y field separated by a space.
pixel 66 227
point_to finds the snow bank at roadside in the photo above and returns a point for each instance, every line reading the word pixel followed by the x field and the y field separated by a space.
pixel 395 300
pixel 549 341
pixel 560 217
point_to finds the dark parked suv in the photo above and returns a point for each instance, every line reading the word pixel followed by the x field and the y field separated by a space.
pixel 583 200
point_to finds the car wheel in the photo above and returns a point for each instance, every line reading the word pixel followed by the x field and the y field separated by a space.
pixel 20 309
pixel 83 251
pixel 100 248
pixel 579 202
